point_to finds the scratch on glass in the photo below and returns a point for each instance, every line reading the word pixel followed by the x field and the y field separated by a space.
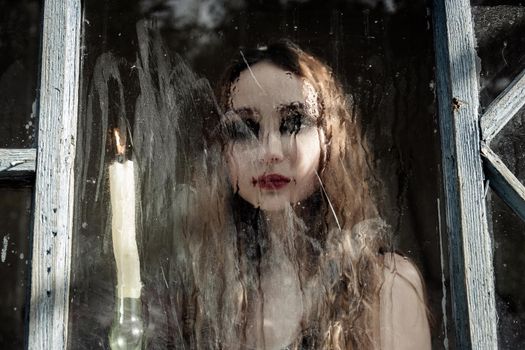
pixel 164 277
pixel 329 202
pixel 251 72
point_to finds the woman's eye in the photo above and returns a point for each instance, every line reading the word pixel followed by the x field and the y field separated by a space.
pixel 243 129
pixel 292 124
pixel 253 126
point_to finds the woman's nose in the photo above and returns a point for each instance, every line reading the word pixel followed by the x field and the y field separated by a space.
pixel 272 148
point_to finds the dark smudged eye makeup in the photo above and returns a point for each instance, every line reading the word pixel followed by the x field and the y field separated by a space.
pixel 293 123
pixel 294 118
pixel 252 125
pixel 242 125
pixel 242 129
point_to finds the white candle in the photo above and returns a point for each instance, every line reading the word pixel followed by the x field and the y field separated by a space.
pixel 122 192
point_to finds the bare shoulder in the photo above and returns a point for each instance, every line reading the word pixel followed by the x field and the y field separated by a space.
pixel 403 311
pixel 404 273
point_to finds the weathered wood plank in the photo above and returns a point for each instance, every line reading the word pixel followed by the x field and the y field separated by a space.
pixel 17 163
pixel 504 107
pixel 504 182
pixel 53 209
pixel 470 246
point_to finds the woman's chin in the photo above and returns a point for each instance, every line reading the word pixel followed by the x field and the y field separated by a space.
pixel 271 202
pixel 276 200
pixel 273 206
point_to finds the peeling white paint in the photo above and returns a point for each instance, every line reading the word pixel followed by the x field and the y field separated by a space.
pixel 33 110
pixel 5 243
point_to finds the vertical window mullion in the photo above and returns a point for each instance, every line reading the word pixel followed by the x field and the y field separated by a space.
pixel 53 208
pixel 470 247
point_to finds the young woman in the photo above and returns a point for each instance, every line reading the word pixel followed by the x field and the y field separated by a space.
pixel 277 241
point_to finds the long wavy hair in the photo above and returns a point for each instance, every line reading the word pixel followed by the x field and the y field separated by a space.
pixel 331 241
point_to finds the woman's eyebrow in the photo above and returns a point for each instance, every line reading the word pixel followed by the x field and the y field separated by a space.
pixel 292 106
pixel 246 112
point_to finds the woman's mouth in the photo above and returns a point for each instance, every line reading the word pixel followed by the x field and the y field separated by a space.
pixel 271 181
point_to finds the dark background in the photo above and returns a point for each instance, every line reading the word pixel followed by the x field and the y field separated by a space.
pixel 19 51
pixel 19 45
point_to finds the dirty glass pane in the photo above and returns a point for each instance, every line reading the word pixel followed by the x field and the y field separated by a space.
pixel 501 48
pixel 509 263
pixel 508 229
pixel 509 145
pixel 274 178
pixel 499 27
pixel 19 43
pixel 15 210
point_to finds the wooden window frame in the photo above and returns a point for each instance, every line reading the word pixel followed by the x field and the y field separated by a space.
pixel 54 180
pixel 469 242
pixel 464 137
pixel 497 115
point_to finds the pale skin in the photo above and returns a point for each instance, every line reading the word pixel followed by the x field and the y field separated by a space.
pixel 281 136
pixel 403 317
pixel 272 160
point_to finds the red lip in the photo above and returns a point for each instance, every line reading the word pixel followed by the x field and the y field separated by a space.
pixel 271 181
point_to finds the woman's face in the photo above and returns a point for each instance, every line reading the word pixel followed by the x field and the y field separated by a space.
pixel 275 144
